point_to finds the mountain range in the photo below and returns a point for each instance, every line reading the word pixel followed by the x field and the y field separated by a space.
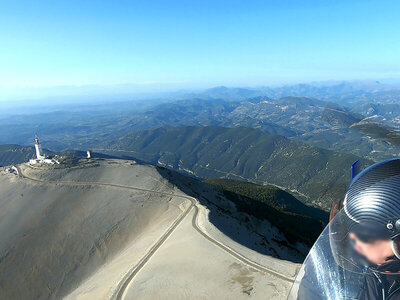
pixel 323 124
pixel 316 175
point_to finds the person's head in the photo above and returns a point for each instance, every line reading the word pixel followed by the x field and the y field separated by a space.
pixel 376 251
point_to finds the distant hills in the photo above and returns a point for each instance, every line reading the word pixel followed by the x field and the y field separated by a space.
pixel 352 93
pixel 230 94
pixel 385 113
pixel 316 174
pixel 320 123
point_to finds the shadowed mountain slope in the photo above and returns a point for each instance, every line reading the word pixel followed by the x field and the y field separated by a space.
pixel 299 222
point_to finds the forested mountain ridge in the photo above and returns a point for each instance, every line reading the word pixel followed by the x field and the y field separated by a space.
pixel 317 174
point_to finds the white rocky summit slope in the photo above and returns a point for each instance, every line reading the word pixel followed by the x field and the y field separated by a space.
pixel 116 229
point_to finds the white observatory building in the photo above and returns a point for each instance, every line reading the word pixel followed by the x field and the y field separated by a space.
pixel 40 157
pixel 38 148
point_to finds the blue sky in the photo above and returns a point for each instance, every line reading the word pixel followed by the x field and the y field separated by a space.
pixel 197 43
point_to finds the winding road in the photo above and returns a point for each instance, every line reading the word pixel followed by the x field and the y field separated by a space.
pixel 123 284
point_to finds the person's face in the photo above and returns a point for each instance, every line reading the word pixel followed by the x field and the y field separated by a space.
pixel 376 251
